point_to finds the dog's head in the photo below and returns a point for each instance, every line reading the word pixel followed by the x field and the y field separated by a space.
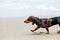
pixel 31 19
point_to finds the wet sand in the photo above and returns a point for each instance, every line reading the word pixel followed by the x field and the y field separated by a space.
pixel 16 29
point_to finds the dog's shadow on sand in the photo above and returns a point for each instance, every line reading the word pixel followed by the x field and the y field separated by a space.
pixel 42 33
pixel 35 33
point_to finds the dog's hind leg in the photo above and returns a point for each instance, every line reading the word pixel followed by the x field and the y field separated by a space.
pixel 58 30
pixel 59 25
pixel 47 31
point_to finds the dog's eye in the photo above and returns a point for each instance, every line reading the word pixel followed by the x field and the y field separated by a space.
pixel 28 19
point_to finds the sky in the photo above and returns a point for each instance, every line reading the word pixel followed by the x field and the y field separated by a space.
pixel 22 8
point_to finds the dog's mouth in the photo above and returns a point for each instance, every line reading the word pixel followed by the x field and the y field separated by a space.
pixel 26 21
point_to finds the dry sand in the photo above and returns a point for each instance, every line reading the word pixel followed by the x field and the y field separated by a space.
pixel 16 29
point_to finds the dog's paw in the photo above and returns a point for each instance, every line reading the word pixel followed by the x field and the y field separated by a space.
pixel 58 31
pixel 47 33
pixel 32 30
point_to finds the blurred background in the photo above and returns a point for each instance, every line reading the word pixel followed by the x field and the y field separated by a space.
pixel 14 12
pixel 23 8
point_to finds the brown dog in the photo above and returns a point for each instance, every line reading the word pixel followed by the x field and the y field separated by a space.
pixel 43 23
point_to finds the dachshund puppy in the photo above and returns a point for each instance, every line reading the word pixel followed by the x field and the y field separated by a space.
pixel 43 23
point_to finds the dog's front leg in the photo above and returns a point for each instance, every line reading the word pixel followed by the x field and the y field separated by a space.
pixel 47 31
pixel 35 29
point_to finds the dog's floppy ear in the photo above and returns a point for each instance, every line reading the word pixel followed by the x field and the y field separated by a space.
pixel 35 20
